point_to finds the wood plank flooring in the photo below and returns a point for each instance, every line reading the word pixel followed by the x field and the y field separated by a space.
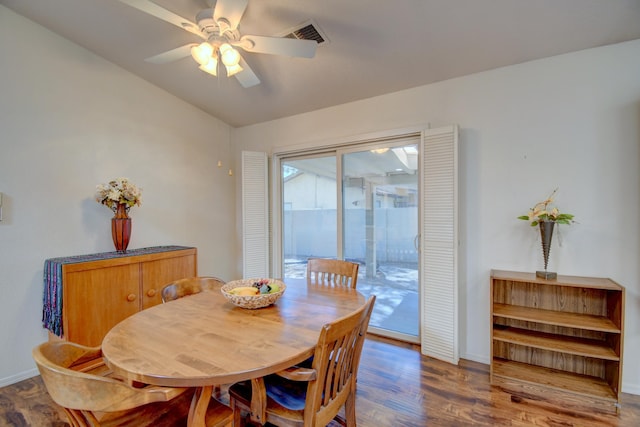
pixel 397 387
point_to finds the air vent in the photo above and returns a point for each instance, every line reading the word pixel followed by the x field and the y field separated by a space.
pixel 307 31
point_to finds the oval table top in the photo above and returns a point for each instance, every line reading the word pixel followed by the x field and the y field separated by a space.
pixel 204 340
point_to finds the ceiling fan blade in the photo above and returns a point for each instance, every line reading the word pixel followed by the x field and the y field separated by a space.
pixel 278 46
pixel 172 55
pixel 231 11
pixel 153 9
pixel 247 77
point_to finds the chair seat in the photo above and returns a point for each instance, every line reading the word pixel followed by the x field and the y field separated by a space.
pixel 288 394
pixel 289 410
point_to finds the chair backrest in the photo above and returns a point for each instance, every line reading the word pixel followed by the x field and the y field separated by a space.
pixel 333 272
pixel 65 369
pixel 189 286
pixel 336 362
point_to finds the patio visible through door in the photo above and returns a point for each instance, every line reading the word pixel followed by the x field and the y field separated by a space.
pixel 368 215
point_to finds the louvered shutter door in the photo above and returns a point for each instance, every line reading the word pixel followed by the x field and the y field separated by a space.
pixel 255 215
pixel 439 278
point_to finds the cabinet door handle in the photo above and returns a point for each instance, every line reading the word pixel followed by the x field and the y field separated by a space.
pixel 151 293
pixel 131 297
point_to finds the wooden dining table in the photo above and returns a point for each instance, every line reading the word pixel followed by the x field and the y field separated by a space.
pixel 203 340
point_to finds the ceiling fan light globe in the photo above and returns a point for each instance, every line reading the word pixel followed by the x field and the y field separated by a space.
pixel 210 67
pixel 229 56
pixel 202 53
pixel 233 69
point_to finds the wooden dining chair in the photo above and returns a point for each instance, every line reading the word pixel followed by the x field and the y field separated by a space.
pixel 78 380
pixel 332 272
pixel 189 286
pixel 310 396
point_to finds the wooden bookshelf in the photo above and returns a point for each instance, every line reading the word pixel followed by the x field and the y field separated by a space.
pixel 561 338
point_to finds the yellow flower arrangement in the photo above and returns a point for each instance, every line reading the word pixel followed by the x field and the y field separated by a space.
pixel 542 211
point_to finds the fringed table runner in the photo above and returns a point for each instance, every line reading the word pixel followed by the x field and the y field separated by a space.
pixel 52 298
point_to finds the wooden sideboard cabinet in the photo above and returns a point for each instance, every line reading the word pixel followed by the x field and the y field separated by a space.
pixel 559 339
pixel 97 294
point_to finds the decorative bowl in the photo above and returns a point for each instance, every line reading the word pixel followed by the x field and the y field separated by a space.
pixel 252 301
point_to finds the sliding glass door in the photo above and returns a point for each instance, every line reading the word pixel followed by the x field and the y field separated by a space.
pixel 360 204
pixel 309 211
pixel 380 229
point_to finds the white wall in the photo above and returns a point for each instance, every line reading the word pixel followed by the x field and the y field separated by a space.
pixel 70 120
pixel 571 121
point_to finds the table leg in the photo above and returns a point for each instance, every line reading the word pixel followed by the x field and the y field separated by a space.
pixel 199 405
pixel 258 400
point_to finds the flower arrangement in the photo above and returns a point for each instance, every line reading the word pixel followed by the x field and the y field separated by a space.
pixel 120 191
pixel 542 211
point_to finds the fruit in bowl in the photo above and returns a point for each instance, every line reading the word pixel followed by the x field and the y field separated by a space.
pixel 244 290
pixel 253 293
pixel 266 286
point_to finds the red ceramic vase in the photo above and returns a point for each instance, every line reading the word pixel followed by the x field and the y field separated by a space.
pixel 121 228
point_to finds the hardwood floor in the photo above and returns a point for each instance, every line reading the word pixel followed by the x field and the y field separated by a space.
pixel 397 387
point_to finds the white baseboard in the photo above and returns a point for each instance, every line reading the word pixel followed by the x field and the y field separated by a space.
pixel 475 358
pixel 631 388
pixel 19 377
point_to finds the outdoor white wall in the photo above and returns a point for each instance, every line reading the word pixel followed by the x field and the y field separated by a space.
pixel 68 121
pixel 571 121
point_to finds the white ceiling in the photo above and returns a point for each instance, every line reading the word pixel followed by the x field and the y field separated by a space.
pixel 375 46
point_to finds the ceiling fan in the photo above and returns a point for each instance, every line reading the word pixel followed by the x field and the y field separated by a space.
pixel 218 27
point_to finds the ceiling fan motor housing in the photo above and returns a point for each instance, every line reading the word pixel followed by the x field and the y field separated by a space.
pixel 207 24
pixel 211 29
